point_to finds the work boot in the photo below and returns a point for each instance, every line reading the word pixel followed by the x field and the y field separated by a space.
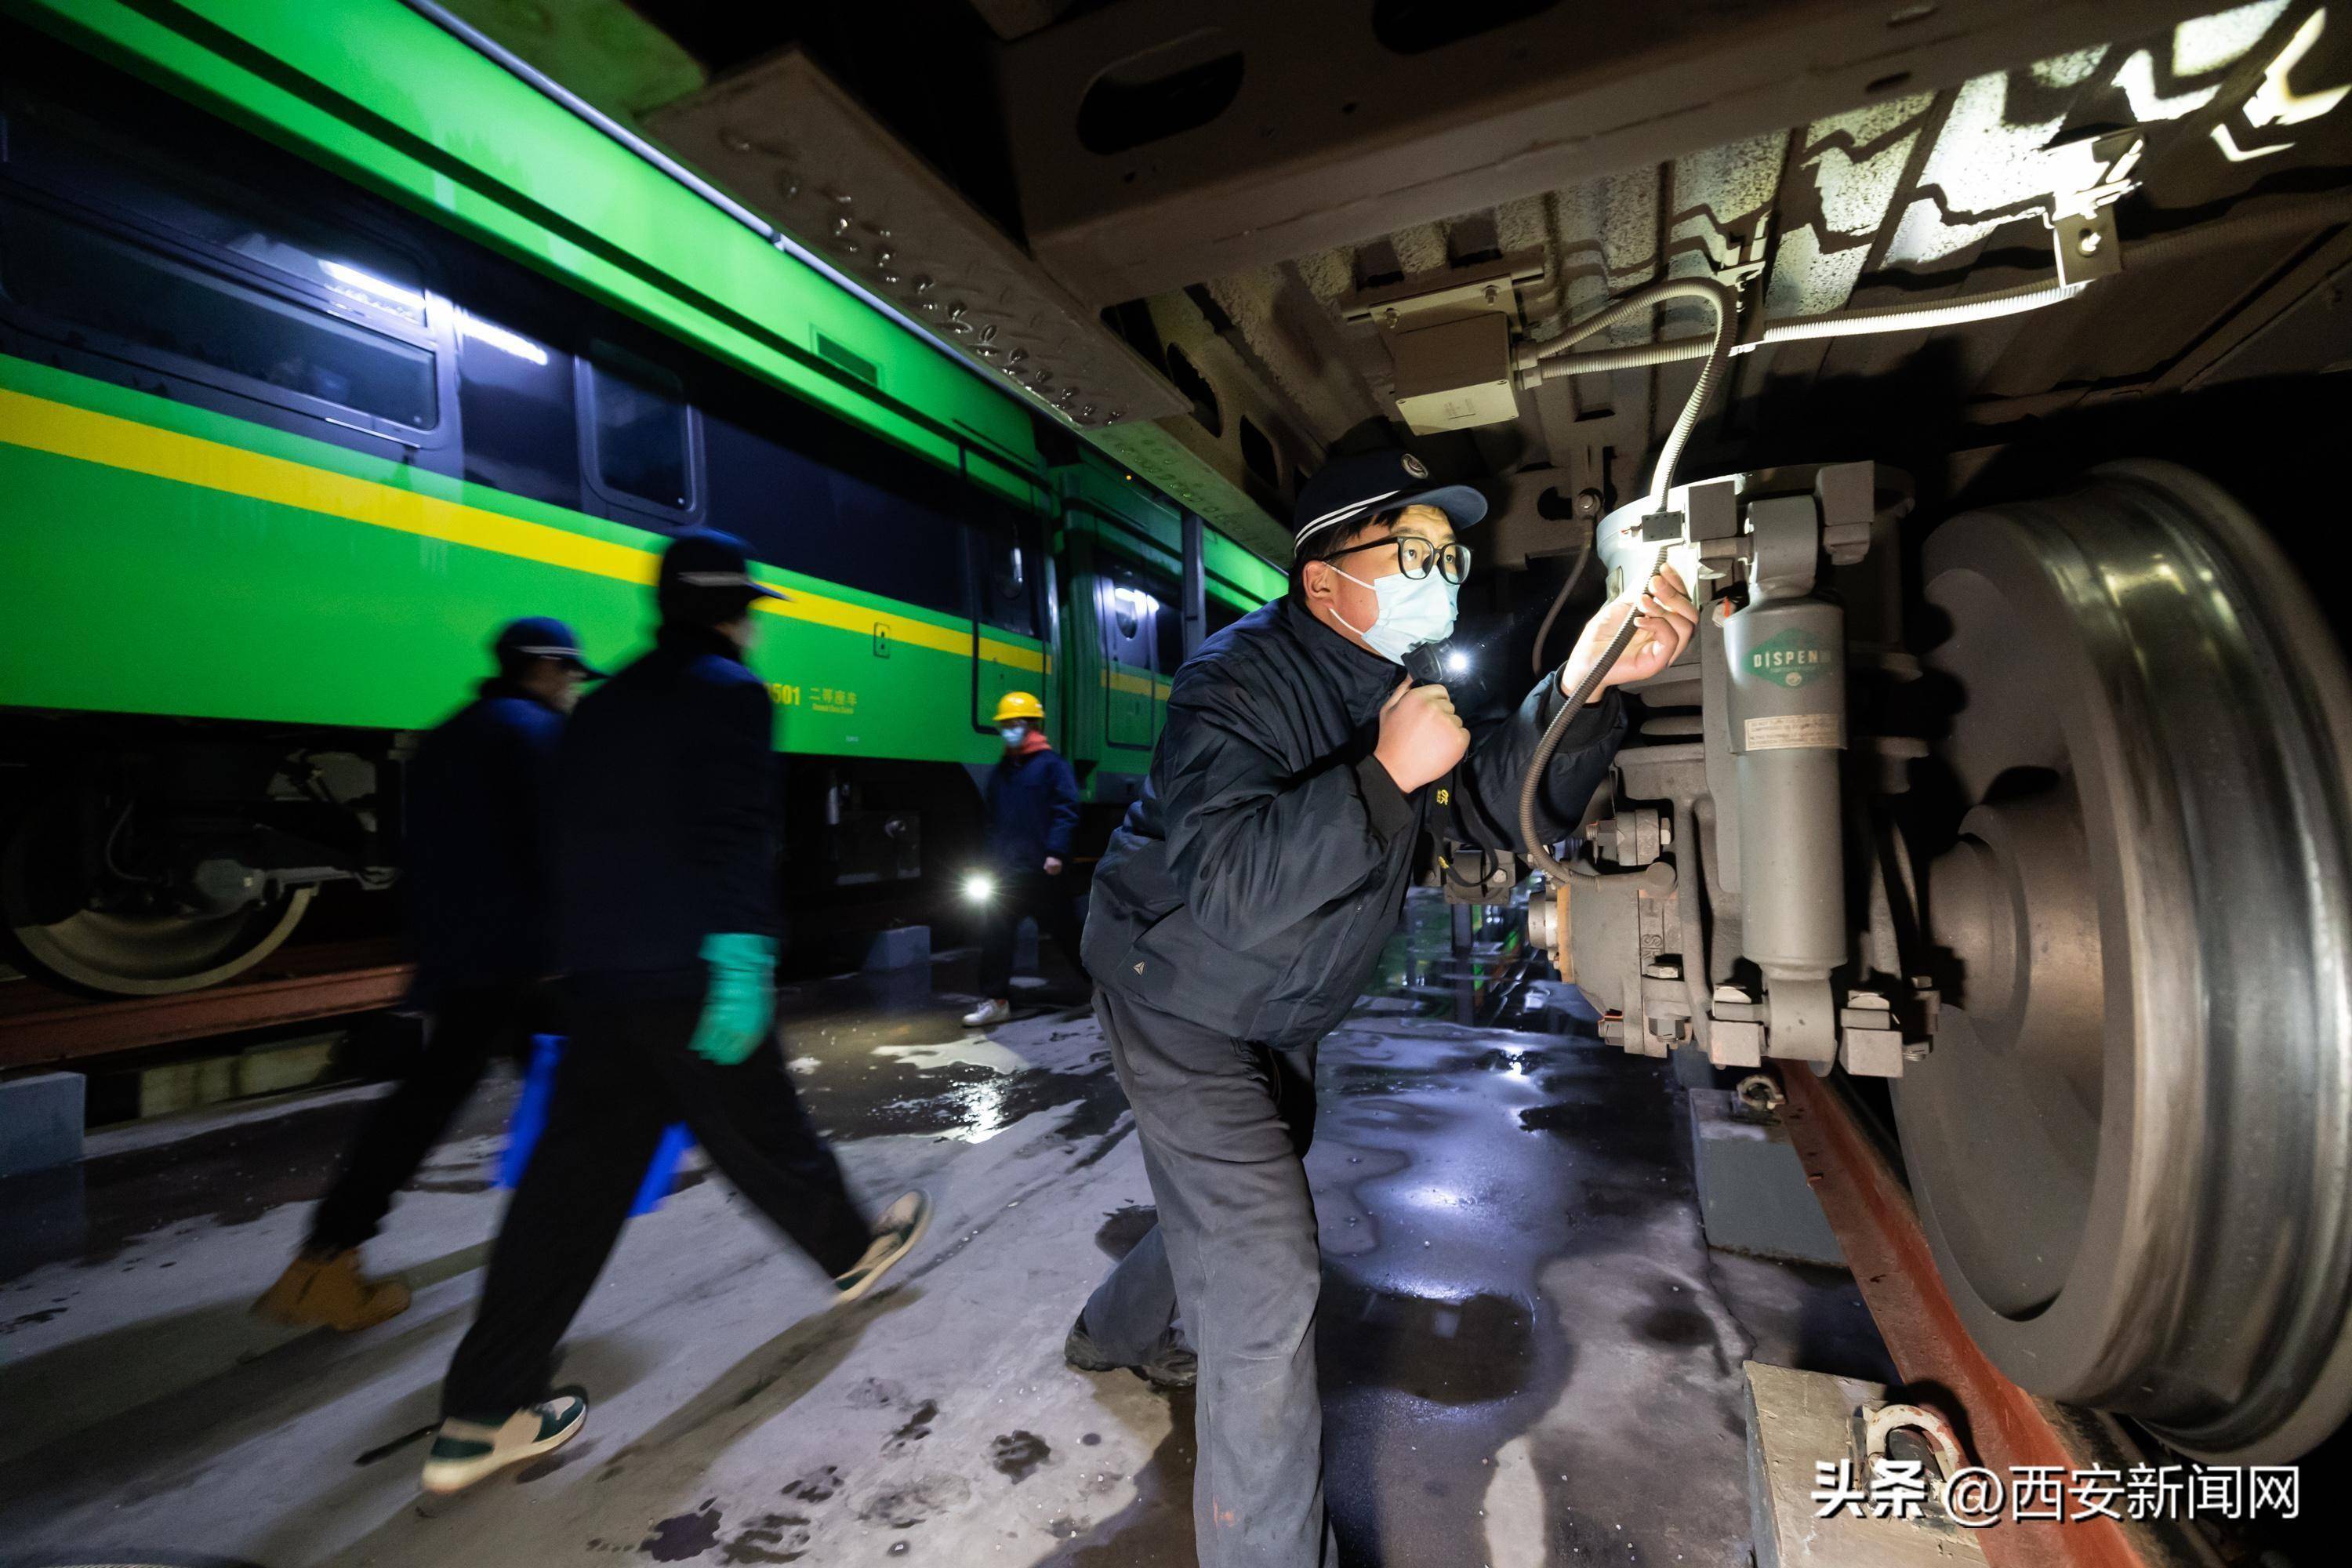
pixel 895 1233
pixel 326 1290
pixel 995 1011
pixel 1173 1366
pixel 471 1448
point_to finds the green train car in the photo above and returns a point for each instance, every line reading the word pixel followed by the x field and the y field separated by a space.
pixel 303 394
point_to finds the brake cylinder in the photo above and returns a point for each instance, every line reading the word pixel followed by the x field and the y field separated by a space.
pixel 1787 726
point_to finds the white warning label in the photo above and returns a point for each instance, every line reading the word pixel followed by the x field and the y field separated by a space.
pixel 1792 731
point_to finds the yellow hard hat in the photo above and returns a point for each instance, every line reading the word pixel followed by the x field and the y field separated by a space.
pixel 1019 705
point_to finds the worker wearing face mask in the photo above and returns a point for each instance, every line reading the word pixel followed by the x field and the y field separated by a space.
pixel 1239 912
pixel 1033 809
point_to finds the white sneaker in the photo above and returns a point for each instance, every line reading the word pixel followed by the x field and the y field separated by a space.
pixel 465 1452
pixel 895 1232
pixel 987 1013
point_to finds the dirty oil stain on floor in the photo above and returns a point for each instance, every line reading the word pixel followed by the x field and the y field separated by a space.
pixel 768 1538
pixel 683 1537
pixel 1018 1455
pixel 816 1486
pixel 917 1427
pixel 909 1504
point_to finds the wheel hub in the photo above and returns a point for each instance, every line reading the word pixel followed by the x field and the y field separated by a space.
pixel 2132 1144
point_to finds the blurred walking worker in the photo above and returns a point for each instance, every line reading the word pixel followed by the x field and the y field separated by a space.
pixel 477 796
pixel 1033 808
pixel 665 882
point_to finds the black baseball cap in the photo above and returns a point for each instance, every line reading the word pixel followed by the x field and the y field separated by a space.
pixel 542 636
pixel 1346 489
pixel 706 576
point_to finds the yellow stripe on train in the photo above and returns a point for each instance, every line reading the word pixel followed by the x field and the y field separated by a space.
pixel 88 435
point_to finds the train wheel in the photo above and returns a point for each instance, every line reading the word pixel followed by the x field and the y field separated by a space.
pixel 129 949
pixel 2132 1143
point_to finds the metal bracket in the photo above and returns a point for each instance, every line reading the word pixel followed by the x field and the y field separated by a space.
pixel 1748 261
pixel 1736 1039
pixel 1869 1043
pixel 2095 174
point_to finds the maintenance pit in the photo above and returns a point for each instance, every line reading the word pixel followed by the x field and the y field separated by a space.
pixel 1530 1355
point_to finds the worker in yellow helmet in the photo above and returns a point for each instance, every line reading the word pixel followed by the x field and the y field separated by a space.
pixel 1033 809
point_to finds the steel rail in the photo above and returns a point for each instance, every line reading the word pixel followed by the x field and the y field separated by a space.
pixel 39 1026
pixel 1999 1424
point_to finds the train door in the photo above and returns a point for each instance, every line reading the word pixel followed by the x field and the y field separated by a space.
pixel 1008 573
pixel 1127 611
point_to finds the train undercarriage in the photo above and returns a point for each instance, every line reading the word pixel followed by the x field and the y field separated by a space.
pixel 2055 845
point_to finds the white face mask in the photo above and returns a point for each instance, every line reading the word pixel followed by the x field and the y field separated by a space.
pixel 1413 611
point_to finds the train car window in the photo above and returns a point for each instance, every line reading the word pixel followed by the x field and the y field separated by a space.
pixel 515 406
pixel 642 433
pixel 1142 623
pixel 152 181
pixel 808 515
pixel 1004 572
pixel 115 298
pixel 1221 614
pixel 885 543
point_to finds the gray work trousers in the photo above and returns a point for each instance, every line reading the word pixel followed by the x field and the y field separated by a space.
pixel 1225 1127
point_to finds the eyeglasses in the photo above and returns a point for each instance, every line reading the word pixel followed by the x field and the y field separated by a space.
pixel 1416 556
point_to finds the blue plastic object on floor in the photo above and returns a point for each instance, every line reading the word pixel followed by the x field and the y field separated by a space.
pixel 530 1116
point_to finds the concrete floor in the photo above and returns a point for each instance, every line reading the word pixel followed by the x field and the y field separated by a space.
pixel 1530 1355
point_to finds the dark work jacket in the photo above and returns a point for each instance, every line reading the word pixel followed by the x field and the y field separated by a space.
pixel 476 802
pixel 1251 889
pixel 1033 808
pixel 663 818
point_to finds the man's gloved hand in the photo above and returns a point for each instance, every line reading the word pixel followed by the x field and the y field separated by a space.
pixel 741 998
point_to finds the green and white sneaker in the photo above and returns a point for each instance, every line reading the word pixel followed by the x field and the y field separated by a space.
pixel 466 1451
pixel 895 1233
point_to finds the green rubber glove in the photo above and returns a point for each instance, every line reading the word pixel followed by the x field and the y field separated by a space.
pixel 742 1000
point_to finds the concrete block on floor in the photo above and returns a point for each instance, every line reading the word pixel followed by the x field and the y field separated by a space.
pixel 1024 948
pixel 40 1121
pixel 1795 1421
pixel 901 947
pixel 1752 1193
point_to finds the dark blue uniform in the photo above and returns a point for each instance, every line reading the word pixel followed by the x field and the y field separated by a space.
pixel 1033 810
pixel 664 821
pixel 476 884
pixel 476 801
